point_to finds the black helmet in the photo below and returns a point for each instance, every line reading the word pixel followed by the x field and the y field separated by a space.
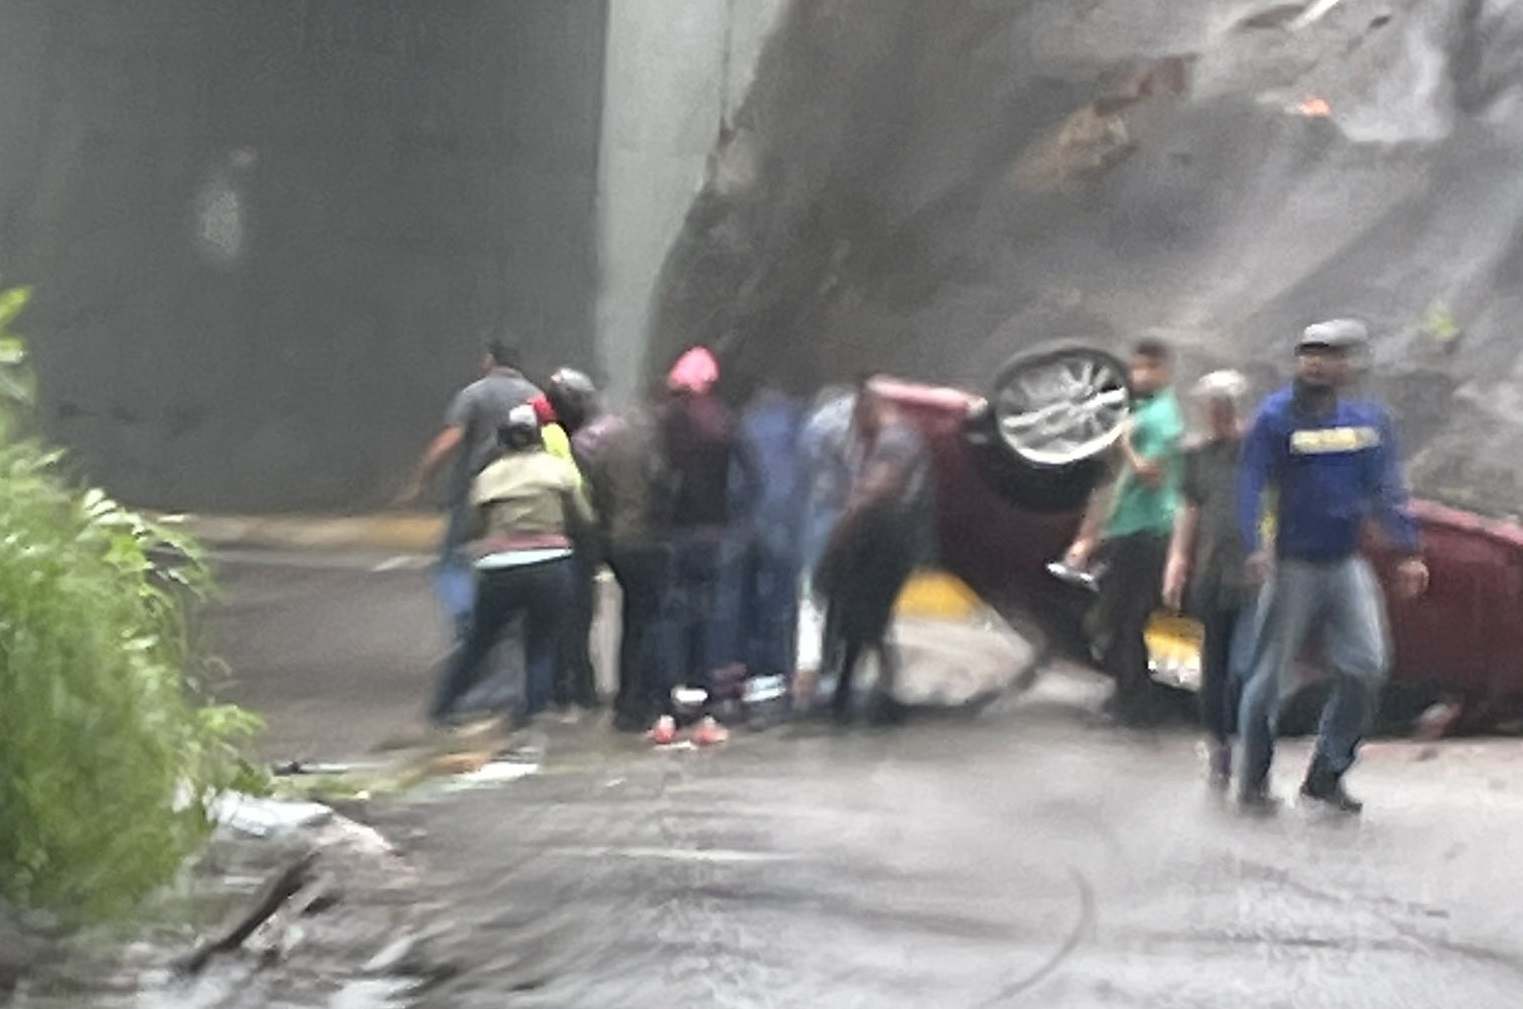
pixel 574 397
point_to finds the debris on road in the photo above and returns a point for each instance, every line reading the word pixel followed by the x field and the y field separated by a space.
pixel 280 888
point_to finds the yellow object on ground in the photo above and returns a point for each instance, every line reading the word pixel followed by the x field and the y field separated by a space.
pixel 937 594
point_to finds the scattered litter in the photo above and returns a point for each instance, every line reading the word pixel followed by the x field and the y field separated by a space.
pixel 280 887
pixel 292 768
pixel 353 838
pixel 257 817
pixel 498 772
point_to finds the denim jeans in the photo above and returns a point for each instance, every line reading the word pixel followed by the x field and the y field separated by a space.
pixel 1341 599
pixel 454 575
pixel 541 594
pixel 697 567
pixel 1228 646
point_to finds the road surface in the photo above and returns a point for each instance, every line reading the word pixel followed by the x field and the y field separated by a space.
pixel 1019 857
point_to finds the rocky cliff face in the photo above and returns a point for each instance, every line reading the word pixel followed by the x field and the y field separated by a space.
pixel 928 188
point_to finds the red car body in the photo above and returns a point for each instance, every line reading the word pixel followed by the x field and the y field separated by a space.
pixel 1462 639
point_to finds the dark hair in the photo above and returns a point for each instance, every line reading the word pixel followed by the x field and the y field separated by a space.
pixel 502 353
pixel 1153 349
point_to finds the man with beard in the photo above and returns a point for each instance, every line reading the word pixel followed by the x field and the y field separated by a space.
pixel 1330 462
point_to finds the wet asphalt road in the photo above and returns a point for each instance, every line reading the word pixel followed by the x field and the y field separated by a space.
pixel 1017 858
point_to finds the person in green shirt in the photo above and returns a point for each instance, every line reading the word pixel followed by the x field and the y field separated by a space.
pixel 1128 527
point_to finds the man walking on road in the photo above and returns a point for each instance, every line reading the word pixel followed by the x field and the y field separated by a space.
pixel 469 437
pixel 1330 462
pixel 1131 529
pixel 1205 576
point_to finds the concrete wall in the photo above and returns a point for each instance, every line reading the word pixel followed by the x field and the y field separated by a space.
pixel 268 236
pixel 677 72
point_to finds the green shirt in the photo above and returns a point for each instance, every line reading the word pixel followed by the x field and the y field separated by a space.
pixel 1157 428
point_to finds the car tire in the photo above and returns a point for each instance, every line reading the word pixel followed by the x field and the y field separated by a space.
pixel 1055 473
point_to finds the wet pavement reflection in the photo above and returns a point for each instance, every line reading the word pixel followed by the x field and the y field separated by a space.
pixel 1022 858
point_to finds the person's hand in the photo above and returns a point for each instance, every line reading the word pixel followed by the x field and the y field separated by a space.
pixel 1149 474
pixel 1175 574
pixel 1259 566
pixel 1411 578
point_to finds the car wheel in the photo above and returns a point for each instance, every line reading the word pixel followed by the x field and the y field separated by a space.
pixel 1061 405
pixel 1043 436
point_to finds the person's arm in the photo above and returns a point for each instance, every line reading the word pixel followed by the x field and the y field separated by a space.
pixel 578 509
pixel 1390 498
pixel 1176 572
pixel 445 444
pixel 1254 476
pixel 1392 506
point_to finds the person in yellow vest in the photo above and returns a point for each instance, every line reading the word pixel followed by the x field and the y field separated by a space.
pixel 557 442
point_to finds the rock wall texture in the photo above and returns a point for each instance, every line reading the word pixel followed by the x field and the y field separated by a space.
pixel 268 237
pixel 928 188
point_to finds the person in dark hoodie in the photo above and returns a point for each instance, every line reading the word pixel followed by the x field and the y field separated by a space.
pixel 701 446
pixel 629 483
pixel 1331 462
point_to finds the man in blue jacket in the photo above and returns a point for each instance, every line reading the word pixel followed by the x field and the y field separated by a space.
pixel 1327 463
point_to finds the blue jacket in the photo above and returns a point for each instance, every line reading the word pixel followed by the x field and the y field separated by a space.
pixel 1328 474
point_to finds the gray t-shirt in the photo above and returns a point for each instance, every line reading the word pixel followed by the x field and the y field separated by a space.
pixel 1219 576
pixel 480 409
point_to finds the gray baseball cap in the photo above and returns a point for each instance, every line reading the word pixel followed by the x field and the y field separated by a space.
pixel 1335 334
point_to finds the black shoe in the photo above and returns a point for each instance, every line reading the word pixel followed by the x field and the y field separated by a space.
pixel 1220 778
pixel 884 710
pixel 626 721
pixel 1326 786
pixel 1258 800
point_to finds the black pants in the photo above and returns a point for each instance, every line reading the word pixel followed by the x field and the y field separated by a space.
pixel 1221 693
pixel 538 592
pixel 862 576
pixel 1129 593
pixel 645 665
pixel 575 678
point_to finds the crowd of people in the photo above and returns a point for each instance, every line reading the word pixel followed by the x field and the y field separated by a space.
pixel 1254 529
pixel 718 527
pixel 750 546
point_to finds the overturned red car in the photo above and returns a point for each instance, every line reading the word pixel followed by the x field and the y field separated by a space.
pixel 1015 469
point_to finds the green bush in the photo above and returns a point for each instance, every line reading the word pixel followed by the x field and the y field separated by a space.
pixel 108 754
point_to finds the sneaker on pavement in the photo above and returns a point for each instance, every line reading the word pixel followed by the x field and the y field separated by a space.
pixel 710 733
pixel 664 732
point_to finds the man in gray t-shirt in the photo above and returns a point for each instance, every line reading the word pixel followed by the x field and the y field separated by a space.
pixel 470 438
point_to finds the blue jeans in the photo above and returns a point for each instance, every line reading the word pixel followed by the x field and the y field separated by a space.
pixel 697 558
pixel 771 607
pixel 1343 600
pixel 454 575
pixel 1228 648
